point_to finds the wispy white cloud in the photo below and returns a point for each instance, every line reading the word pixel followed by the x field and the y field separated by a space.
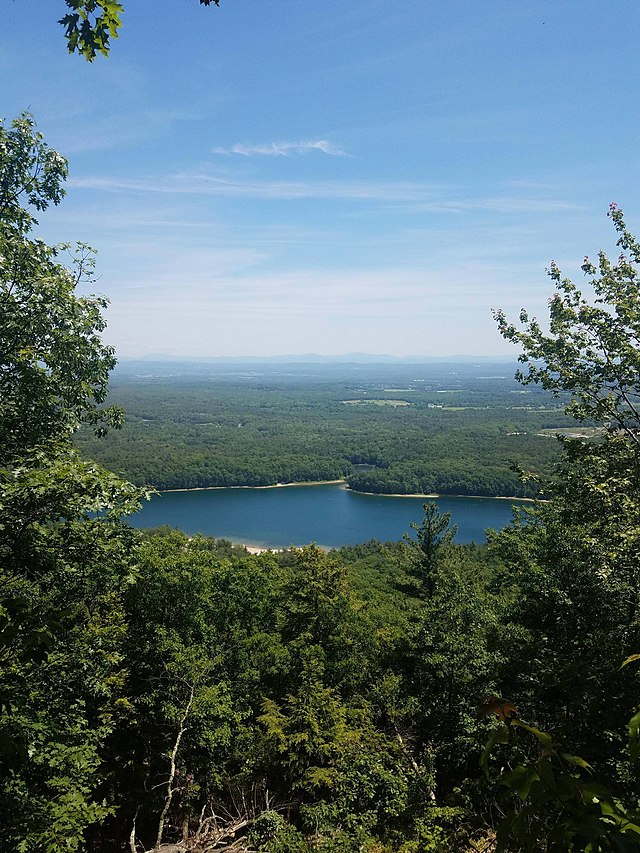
pixel 203 184
pixel 498 204
pixel 405 196
pixel 284 149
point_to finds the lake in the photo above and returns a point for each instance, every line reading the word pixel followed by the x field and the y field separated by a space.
pixel 327 514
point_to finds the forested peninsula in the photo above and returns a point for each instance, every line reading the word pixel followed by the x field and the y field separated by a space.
pixel 465 429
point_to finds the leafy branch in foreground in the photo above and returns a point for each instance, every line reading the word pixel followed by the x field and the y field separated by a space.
pixel 91 24
pixel 66 559
pixel 592 349
pixel 54 367
pixel 549 804
pixel 575 575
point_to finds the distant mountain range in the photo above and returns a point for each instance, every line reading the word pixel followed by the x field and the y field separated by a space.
pixel 314 358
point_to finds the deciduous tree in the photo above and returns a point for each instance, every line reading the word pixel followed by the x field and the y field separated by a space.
pixel 65 556
pixel 573 565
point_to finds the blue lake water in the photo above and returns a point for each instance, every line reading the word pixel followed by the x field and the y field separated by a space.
pixel 329 515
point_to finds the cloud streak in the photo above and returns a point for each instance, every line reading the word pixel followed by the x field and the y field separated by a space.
pixel 284 149
pixel 203 184
pixel 412 196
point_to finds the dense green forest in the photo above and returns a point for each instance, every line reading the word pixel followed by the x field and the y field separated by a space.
pixel 447 430
pixel 160 692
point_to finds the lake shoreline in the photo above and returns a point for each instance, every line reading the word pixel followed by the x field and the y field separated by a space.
pixel 355 491
pixel 272 486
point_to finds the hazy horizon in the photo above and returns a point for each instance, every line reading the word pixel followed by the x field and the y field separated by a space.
pixel 311 356
pixel 334 178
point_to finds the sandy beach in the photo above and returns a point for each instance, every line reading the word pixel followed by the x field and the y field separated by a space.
pixel 257 549
pixel 355 491
pixel 272 486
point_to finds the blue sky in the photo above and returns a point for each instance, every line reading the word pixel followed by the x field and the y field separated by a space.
pixel 293 177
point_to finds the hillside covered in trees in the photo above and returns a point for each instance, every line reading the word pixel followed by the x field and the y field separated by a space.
pixel 410 429
pixel 158 689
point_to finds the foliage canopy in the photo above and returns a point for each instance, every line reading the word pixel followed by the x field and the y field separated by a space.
pixel 90 25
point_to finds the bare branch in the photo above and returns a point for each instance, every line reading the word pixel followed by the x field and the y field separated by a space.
pixel 172 773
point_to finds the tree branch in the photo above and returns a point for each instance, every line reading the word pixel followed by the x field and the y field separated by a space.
pixel 172 772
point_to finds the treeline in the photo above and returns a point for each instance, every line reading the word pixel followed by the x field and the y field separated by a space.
pixel 409 479
pixel 188 434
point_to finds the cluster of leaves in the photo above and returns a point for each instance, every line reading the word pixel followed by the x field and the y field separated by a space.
pixel 548 805
pixel 91 24
pixel 54 366
pixel 592 348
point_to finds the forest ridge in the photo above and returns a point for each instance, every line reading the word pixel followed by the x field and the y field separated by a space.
pixel 415 429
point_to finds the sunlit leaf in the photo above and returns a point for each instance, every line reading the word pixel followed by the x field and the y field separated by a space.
pixel 520 780
pixel 543 737
pixel 633 727
pixel 575 759
pixel 502 708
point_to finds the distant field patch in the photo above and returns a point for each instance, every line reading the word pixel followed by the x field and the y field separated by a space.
pixel 535 409
pixel 393 403
pixel 572 432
